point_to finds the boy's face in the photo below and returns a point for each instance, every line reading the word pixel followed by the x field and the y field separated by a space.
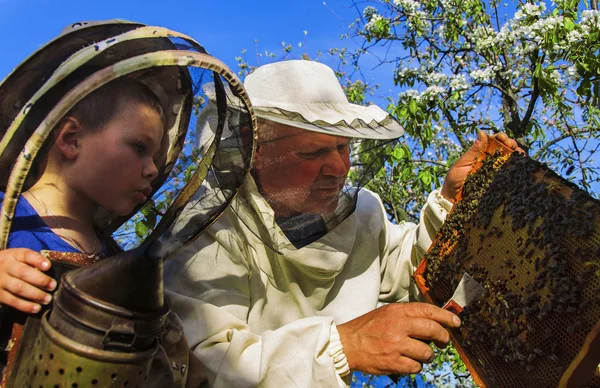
pixel 116 164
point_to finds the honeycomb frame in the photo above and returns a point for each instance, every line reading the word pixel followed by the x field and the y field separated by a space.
pixel 532 239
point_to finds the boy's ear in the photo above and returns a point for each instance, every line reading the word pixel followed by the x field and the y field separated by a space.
pixel 68 137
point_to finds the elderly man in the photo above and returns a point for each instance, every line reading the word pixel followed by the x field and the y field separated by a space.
pixel 295 284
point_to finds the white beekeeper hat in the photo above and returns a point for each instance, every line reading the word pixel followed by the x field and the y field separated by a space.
pixel 307 94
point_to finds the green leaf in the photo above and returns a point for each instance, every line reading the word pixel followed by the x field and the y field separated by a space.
pixel 150 220
pixel 412 106
pixel 425 177
pixel 569 24
pixel 141 230
pixel 538 70
pixel 407 151
pixel 148 207
pixel 398 153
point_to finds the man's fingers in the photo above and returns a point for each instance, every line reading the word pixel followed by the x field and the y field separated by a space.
pixel 8 299
pixel 429 311
pixel 429 331
pixel 476 147
pixel 406 365
pixel 471 154
pixel 508 142
pixel 418 351
pixel 505 140
pixel 32 276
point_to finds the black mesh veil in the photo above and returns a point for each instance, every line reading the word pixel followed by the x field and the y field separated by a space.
pixel 192 88
pixel 223 132
pixel 315 152
pixel 319 204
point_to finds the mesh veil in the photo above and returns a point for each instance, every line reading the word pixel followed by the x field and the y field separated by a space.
pixel 325 174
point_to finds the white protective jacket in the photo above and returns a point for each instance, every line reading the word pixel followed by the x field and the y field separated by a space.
pixel 257 318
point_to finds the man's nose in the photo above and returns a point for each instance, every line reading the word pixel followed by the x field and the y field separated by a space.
pixel 336 165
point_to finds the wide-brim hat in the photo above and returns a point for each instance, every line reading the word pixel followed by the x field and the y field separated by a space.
pixel 307 94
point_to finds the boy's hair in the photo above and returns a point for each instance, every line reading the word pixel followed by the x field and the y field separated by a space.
pixel 99 107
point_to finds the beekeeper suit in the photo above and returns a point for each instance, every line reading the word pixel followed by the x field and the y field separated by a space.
pixel 287 288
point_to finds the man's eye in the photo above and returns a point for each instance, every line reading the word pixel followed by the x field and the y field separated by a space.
pixel 343 147
pixel 310 155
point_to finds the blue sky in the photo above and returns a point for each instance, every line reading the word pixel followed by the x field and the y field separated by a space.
pixel 223 27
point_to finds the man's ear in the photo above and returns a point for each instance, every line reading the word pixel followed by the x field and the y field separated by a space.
pixel 257 163
pixel 68 137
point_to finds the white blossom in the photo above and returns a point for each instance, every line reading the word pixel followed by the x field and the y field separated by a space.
pixel 590 15
pixel 555 77
pixel 530 10
pixel 409 6
pixel 483 37
pixel 406 72
pixel 590 21
pixel 547 24
pixel 574 36
pixel 435 78
pixel 432 92
pixel 441 29
pixel 369 11
pixel 459 82
pixel 418 21
pixel 408 94
pixel 482 75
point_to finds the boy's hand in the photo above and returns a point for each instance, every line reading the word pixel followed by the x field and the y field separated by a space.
pixel 21 282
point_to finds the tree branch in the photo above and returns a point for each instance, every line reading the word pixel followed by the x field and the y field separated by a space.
pixel 534 96
pixel 428 161
pixel 455 128
pixel 578 151
pixel 561 138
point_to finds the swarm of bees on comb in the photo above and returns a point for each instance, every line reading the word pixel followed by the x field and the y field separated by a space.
pixel 532 240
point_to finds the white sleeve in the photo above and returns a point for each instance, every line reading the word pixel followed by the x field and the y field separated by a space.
pixel 210 293
pixel 403 248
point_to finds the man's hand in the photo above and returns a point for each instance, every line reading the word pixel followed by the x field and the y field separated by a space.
pixel 459 170
pixel 21 282
pixel 394 338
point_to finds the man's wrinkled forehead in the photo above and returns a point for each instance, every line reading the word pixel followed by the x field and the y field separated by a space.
pixel 270 132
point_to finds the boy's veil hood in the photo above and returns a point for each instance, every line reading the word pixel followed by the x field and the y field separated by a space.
pixel 107 320
pixel 174 66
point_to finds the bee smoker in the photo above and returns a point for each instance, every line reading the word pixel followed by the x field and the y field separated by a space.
pixel 102 330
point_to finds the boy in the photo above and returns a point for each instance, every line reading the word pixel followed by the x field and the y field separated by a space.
pixel 104 154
